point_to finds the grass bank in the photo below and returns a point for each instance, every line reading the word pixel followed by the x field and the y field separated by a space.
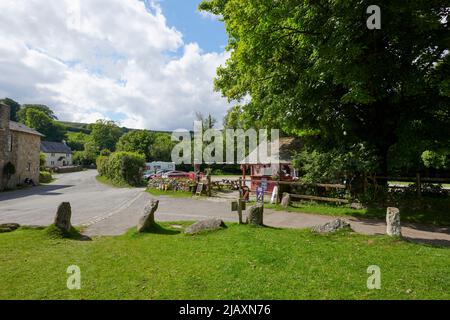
pixel 239 262
pixel 170 193
pixel 109 182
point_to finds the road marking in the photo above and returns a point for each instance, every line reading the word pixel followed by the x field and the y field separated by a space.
pixel 124 206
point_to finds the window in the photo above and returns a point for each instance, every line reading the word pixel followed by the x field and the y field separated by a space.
pixel 53 163
pixel 29 166
pixel 53 154
pixel 10 142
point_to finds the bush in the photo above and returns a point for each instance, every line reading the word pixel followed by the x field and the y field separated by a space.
pixel 45 177
pixel 102 165
pixel 123 167
pixel 9 169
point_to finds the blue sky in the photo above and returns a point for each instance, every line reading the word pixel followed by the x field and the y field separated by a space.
pixel 146 64
pixel 208 32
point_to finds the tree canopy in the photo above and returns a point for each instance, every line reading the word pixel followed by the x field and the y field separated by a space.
pixel 40 121
pixel 138 141
pixel 315 66
pixel 105 134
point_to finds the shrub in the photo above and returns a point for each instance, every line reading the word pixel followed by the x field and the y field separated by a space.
pixel 9 169
pixel 124 167
pixel 102 165
pixel 45 177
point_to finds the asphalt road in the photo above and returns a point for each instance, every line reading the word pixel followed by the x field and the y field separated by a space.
pixel 105 210
pixel 89 199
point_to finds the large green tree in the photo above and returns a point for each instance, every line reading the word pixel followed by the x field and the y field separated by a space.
pixel 40 121
pixel 14 105
pixel 22 113
pixel 105 134
pixel 138 141
pixel 315 65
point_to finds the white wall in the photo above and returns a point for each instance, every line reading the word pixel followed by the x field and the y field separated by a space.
pixel 51 159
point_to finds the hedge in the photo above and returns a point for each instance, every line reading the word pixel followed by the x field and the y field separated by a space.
pixel 45 177
pixel 122 167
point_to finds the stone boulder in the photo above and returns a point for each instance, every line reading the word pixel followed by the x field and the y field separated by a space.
pixel 393 227
pixel 332 226
pixel 8 227
pixel 255 215
pixel 63 216
pixel 147 221
pixel 205 225
pixel 357 206
pixel 286 200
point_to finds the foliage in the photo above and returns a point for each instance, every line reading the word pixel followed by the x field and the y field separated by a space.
pixel 42 162
pixel 77 140
pixel 45 177
pixel 437 160
pixel 14 107
pixel 9 169
pixel 105 134
pixel 123 167
pixel 105 153
pixel 316 66
pixel 40 121
pixel 161 149
pixel 102 165
pixel 139 141
pixel 88 156
pixel 22 113
pixel 334 164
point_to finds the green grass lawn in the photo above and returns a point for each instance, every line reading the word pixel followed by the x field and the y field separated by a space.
pixel 239 262
pixel 170 193
pixel 436 212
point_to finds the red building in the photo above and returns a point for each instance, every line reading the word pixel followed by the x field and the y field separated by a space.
pixel 280 168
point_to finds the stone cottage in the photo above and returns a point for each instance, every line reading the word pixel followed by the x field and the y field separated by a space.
pixel 19 149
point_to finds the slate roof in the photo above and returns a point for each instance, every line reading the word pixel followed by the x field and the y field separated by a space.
pixel 287 147
pixel 54 147
pixel 15 126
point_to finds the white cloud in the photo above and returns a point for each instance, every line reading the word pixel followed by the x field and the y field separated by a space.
pixel 105 59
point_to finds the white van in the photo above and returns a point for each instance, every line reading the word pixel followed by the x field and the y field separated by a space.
pixel 153 167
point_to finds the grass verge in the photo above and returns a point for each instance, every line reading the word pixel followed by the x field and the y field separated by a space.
pixel 236 263
pixel 109 182
pixel 169 193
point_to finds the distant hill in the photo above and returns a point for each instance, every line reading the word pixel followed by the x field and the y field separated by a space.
pixel 86 127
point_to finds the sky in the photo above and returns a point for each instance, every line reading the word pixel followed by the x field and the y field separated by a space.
pixel 145 64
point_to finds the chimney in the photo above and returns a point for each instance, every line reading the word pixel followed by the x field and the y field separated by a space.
pixel 5 112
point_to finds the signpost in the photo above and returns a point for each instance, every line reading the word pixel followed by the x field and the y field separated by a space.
pixel 259 195
pixel 199 190
pixel 238 206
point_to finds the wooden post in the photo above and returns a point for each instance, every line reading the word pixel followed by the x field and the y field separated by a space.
pixel 208 178
pixel 419 186
pixel 240 210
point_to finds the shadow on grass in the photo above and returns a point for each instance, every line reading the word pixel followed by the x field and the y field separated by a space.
pixel 73 234
pixel 155 229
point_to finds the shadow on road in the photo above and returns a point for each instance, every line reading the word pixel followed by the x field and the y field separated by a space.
pixel 48 190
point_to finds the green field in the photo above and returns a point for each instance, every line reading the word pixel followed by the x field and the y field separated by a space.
pixel 239 262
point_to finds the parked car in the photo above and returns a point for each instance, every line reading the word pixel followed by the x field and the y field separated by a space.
pixel 158 174
pixel 175 174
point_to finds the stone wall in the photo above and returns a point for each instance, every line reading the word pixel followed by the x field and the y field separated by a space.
pixel 4 133
pixel 25 157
